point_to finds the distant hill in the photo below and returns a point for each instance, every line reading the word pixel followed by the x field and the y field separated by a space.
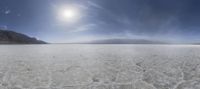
pixel 11 37
pixel 125 41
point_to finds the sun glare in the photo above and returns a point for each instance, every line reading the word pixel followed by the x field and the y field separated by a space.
pixel 69 14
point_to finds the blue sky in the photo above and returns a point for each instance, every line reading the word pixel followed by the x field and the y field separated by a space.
pixel 168 20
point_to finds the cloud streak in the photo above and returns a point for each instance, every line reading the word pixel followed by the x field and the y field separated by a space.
pixel 85 28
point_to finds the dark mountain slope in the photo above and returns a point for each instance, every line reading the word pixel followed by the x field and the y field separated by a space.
pixel 11 37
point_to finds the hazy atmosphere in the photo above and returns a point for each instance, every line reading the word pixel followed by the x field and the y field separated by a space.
pixel 60 21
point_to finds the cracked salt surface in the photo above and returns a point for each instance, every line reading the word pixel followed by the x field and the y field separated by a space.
pixel 99 67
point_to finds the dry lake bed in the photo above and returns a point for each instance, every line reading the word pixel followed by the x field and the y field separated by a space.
pixel 74 66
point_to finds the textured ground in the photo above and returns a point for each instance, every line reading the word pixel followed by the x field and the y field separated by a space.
pixel 99 67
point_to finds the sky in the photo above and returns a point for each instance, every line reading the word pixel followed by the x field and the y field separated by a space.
pixel 61 21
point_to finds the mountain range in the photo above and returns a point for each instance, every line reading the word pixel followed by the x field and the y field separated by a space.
pixel 11 37
pixel 123 41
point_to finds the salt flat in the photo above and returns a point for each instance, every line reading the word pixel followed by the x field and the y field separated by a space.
pixel 74 66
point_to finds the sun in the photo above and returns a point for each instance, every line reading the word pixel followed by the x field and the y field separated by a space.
pixel 69 14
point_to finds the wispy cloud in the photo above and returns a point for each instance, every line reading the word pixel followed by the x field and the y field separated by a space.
pixel 4 27
pixel 7 12
pixel 95 5
pixel 85 28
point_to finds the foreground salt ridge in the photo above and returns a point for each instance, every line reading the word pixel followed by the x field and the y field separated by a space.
pixel 100 67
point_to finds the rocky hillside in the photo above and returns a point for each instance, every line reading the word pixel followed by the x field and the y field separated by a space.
pixel 11 37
